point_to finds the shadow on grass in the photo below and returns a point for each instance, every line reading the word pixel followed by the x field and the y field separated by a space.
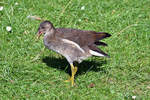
pixel 62 64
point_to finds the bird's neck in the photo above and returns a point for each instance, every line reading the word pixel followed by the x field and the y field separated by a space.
pixel 50 33
pixel 49 37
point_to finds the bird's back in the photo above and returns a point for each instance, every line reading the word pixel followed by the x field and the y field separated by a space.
pixel 84 38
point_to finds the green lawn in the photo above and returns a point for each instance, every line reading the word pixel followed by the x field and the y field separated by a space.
pixel 124 75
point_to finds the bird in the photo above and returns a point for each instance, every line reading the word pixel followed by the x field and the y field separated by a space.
pixel 74 44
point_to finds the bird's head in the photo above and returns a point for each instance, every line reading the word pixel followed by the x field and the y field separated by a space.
pixel 44 27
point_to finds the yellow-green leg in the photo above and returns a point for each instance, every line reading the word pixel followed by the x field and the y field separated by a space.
pixel 73 72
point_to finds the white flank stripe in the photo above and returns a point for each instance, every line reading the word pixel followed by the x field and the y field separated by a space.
pixel 73 43
pixel 95 53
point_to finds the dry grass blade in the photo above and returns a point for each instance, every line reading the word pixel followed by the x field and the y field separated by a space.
pixel 62 12
pixel 126 28
pixel 35 18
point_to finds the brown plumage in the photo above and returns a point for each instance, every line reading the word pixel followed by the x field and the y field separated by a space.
pixel 88 38
pixel 73 44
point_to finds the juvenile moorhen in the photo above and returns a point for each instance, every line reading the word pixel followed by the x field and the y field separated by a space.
pixel 73 44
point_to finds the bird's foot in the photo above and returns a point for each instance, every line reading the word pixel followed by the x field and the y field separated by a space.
pixel 71 79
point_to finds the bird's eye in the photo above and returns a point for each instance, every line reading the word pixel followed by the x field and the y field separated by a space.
pixel 43 27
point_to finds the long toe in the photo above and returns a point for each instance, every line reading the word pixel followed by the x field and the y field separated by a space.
pixel 67 80
pixel 70 80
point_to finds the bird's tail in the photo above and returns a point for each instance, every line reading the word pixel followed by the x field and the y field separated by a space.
pixel 101 35
pixel 100 43
pixel 94 50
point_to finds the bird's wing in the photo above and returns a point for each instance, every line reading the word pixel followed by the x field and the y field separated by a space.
pixel 85 38
pixel 78 36
pixel 81 37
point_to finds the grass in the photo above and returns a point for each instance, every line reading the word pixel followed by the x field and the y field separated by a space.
pixel 125 74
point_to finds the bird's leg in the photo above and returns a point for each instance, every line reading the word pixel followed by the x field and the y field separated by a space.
pixel 73 72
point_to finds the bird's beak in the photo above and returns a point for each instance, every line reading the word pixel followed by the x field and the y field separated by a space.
pixel 39 33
